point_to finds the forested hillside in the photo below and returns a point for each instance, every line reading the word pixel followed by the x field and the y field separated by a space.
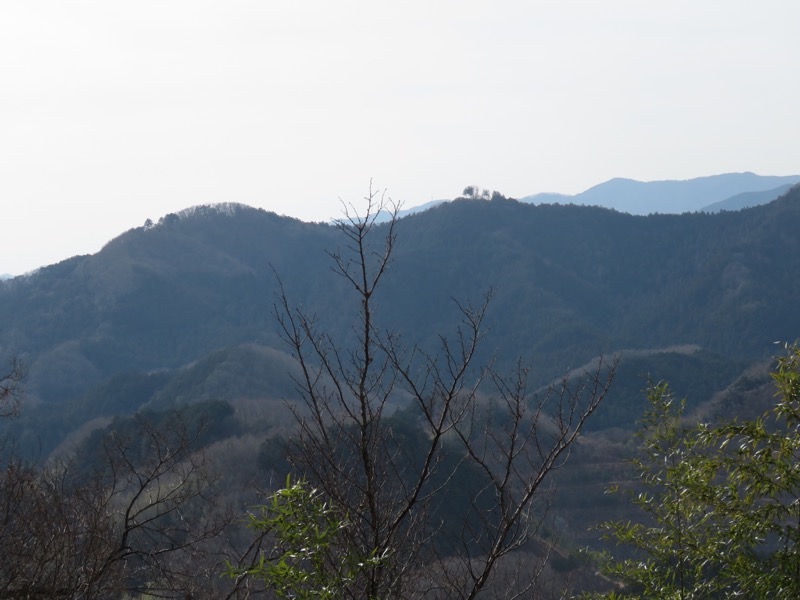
pixel 569 283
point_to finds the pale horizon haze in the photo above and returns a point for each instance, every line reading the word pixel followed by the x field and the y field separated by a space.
pixel 115 112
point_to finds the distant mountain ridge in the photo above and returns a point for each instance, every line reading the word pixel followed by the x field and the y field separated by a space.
pixel 731 191
pixel 674 196
pixel 748 199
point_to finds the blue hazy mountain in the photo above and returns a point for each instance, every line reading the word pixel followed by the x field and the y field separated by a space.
pixel 748 199
pixel 671 196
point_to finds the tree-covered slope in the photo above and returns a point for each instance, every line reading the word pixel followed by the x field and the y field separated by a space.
pixel 569 283
pixel 574 279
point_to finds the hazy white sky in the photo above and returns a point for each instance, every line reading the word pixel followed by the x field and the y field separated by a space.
pixel 114 112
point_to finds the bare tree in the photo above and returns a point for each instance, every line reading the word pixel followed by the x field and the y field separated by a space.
pixel 136 523
pixel 469 419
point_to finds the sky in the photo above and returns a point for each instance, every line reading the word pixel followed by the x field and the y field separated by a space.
pixel 114 112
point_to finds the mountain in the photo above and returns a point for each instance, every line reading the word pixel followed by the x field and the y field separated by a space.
pixel 197 291
pixel 671 196
pixel 385 216
pixel 748 199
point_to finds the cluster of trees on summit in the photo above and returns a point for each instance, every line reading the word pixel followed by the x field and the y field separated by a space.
pixel 382 441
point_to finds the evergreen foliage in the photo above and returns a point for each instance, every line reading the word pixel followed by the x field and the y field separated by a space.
pixel 308 557
pixel 721 502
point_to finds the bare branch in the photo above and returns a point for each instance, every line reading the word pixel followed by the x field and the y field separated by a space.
pixel 11 388
pixel 391 476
